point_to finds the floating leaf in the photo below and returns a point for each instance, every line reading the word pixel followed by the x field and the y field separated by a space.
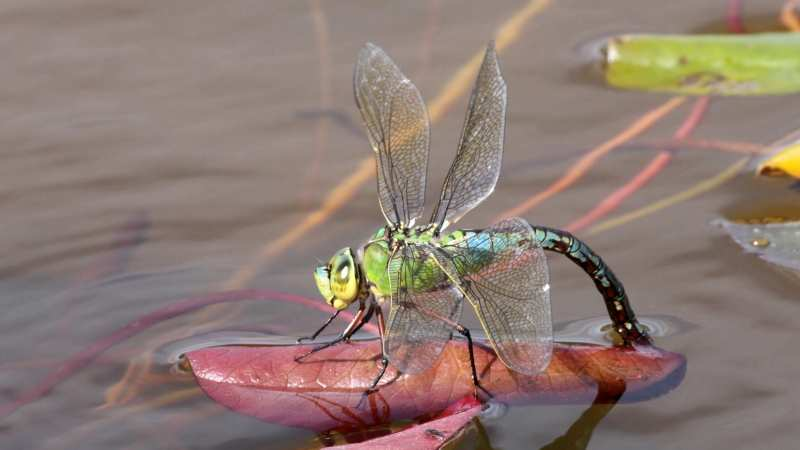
pixel 785 161
pixel 322 393
pixel 729 64
pixel 777 243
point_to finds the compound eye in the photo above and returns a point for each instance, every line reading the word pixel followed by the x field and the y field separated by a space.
pixel 344 279
pixel 322 277
pixel 342 272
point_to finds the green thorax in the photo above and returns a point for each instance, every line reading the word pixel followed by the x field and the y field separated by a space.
pixel 426 273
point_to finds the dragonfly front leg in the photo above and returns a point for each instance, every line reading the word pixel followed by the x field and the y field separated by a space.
pixel 354 324
pixel 316 333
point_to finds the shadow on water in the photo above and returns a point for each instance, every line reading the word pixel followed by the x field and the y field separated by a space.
pixel 579 433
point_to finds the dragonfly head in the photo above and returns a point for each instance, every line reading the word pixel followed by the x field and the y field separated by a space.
pixel 340 280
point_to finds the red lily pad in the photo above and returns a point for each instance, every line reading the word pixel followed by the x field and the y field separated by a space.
pixel 323 392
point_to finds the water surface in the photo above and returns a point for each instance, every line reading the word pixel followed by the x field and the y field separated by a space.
pixel 225 125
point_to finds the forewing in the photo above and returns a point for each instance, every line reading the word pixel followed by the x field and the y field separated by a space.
pixel 424 307
pixel 398 130
pixel 474 172
pixel 503 273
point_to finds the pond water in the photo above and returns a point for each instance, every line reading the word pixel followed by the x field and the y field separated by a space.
pixel 206 131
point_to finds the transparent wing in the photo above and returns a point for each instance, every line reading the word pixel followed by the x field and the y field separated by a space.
pixel 424 308
pixel 398 130
pixel 474 172
pixel 503 273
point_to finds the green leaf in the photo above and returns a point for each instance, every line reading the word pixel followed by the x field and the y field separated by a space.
pixel 754 64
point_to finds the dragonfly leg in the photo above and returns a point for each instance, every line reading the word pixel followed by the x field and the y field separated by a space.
pixel 316 333
pixel 367 317
pixel 464 331
pixel 351 327
pixel 374 386
pixel 384 357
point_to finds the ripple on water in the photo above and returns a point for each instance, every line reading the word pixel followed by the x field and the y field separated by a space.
pixel 171 353
pixel 598 330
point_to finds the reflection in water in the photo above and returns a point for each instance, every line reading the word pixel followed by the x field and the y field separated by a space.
pixel 578 435
pixel 483 442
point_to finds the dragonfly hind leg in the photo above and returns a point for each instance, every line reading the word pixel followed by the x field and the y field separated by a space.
pixel 374 386
pixel 476 383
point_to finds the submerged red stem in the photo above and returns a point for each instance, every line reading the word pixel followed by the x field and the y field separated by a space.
pixel 734 17
pixel 78 361
pixel 655 166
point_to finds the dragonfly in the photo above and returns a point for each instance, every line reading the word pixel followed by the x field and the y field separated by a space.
pixel 424 272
